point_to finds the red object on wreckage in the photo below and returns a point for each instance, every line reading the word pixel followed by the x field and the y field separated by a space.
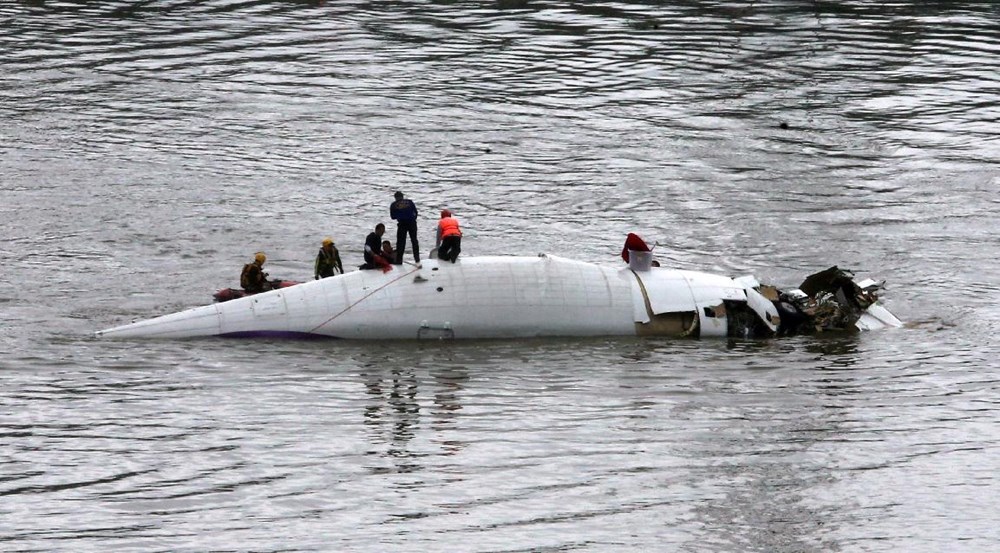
pixel 634 243
pixel 227 294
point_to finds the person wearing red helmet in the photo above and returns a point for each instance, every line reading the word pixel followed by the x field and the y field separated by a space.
pixel 449 237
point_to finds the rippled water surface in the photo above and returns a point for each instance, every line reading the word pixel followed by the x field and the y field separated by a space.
pixel 147 149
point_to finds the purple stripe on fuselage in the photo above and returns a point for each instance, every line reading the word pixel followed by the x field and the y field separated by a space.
pixel 280 334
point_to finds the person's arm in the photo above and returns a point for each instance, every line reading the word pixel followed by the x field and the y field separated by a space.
pixel 336 260
pixel 316 266
pixel 437 237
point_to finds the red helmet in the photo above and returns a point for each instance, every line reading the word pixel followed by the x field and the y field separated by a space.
pixel 445 213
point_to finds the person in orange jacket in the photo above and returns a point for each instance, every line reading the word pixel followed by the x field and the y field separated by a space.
pixel 449 237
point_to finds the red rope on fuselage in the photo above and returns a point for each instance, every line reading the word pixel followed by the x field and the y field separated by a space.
pixel 368 295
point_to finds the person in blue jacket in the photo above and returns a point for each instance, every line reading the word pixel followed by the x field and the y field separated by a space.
pixel 404 212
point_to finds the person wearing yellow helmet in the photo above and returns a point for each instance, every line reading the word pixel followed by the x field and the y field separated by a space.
pixel 327 260
pixel 253 279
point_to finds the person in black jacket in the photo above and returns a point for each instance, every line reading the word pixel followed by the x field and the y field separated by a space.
pixel 404 212
pixel 373 250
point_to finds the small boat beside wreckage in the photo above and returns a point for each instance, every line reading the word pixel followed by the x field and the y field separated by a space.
pixel 494 297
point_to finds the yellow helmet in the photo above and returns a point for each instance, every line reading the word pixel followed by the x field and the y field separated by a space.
pixel 260 258
pixel 327 241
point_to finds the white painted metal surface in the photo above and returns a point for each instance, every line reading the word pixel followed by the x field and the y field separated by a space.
pixel 877 317
pixel 477 297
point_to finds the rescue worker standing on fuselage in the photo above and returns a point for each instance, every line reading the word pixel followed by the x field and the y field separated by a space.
pixel 327 260
pixel 404 211
pixel 253 279
pixel 449 237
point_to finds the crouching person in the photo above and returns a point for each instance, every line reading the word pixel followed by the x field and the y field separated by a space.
pixel 449 237
pixel 373 251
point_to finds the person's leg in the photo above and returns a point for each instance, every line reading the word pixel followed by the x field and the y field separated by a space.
pixel 400 243
pixel 413 239
pixel 456 248
pixel 447 250
pixel 382 263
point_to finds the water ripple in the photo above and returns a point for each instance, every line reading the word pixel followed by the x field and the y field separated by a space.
pixel 150 146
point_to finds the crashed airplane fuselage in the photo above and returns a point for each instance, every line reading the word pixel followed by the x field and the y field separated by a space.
pixel 521 297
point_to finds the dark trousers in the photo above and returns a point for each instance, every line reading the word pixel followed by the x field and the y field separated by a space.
pixel 450 247
pixel 375 262
pixel 404 228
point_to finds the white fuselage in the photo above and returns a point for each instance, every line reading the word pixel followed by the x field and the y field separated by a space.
pixel 476 297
